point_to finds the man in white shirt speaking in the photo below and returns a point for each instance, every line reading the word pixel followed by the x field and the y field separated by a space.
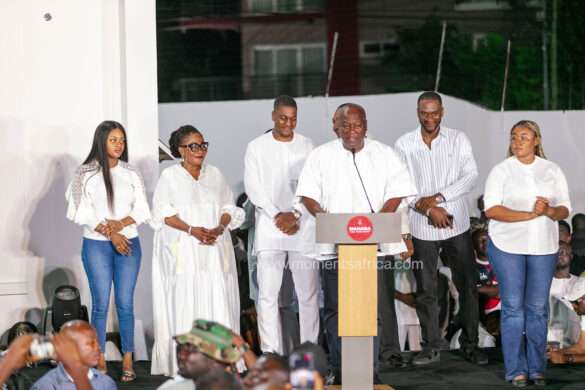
pixel 352 174
pixel 441 162
pixel 284 229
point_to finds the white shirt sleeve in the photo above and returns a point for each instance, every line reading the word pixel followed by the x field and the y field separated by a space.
pixel 494 188
pixel 254 189
pixel 399 183
pixel 400 152
pixel 468 171
pixel 562 190
pixel 310 183
pixel 80 208
pixel 403 210
pixel 140 212
pixel 228 206
pixel 162 202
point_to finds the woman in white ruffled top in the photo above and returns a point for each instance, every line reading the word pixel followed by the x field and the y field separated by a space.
pixel 108 199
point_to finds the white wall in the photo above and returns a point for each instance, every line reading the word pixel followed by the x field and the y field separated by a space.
pixel 96 60
pixel 229 126
pixel 93 60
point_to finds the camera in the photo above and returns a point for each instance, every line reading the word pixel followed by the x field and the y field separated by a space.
pixel 41 349
pixel 302 371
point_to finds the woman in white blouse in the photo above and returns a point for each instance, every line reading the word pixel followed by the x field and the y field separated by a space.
pixel 108 199
pixel 525 197
pixel 193 267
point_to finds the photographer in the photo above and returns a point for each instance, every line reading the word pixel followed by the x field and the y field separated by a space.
pixel 66 352
pixel 88 352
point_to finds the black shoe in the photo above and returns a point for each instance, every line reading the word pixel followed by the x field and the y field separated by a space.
pixel 476 356
pixel 394 361
pixel 333 377
pixel 539 381
pixel 426 357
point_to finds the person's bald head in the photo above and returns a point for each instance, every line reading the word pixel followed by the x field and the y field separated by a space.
pixel 353 127
pixel 338 118
pixel 86 339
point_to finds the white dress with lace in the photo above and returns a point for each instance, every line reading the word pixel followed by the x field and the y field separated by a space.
pixel 191 280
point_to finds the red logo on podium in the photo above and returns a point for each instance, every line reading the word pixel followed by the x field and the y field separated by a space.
pixel 360 228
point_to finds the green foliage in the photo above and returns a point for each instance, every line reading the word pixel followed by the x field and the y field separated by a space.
pixel 475 71
pixel 471 70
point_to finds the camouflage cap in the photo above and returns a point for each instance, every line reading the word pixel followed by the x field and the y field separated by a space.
pixel 213 340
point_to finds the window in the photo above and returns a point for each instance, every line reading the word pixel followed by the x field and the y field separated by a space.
pixel 289 59
pixel 488 5
pixel 284 6
pixel 481 5
pixel 374 49
pixel 296 70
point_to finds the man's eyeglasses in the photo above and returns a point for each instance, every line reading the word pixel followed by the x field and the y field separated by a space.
pixel 195 147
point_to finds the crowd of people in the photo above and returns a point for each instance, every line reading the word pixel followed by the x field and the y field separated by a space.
pixel 489 277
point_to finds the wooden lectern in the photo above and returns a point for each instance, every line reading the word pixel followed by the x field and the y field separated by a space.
pixel 357 236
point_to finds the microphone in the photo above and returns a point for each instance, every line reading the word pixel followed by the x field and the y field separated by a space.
pixel 361 181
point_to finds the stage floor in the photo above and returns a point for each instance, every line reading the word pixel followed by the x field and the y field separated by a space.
pixel 451 373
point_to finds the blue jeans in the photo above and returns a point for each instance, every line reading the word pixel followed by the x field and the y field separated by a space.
pixel 103 265
pixel 524 282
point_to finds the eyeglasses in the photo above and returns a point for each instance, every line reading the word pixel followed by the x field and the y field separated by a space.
pixel 195 147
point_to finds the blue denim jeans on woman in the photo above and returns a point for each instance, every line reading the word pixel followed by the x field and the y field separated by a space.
pixel 103 265
pixel 524 282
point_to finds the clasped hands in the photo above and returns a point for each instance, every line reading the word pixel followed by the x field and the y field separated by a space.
pixel 207 236
pixel 440 218
pixel 111 229
pixel 542 207
pixel 286 223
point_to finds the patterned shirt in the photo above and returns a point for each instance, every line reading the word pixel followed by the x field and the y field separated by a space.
pixel 447 167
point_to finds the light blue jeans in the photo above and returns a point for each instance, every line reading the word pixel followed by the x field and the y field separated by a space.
pixel 524 282
pixel 103 265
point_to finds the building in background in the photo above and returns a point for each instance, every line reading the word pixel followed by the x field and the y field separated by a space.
pixel 244 49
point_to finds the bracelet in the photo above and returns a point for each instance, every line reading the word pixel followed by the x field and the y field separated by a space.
pixel 571 359
pixel 189 230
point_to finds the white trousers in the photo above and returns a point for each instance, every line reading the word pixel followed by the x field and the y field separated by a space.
pixel 305 274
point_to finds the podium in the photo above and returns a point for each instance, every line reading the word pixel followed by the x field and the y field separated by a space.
pixel 357 236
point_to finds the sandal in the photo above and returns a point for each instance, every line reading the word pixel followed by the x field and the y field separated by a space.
pixel 127 376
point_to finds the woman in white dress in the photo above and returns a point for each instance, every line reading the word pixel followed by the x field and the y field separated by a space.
pixel 193 267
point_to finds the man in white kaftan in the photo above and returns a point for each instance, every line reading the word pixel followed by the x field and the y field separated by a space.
pixel 284 229
pixel 352 174
pixel 191 280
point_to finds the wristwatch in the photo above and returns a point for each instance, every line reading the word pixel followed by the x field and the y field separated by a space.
pixel 297 214
pixel 439 198
pixel 244 347
pixel 407 236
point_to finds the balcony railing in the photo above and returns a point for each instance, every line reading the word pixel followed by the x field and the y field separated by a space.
pixel 209 88
pixel 261 87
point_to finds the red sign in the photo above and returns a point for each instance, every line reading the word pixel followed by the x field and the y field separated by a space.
pixel 360 228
